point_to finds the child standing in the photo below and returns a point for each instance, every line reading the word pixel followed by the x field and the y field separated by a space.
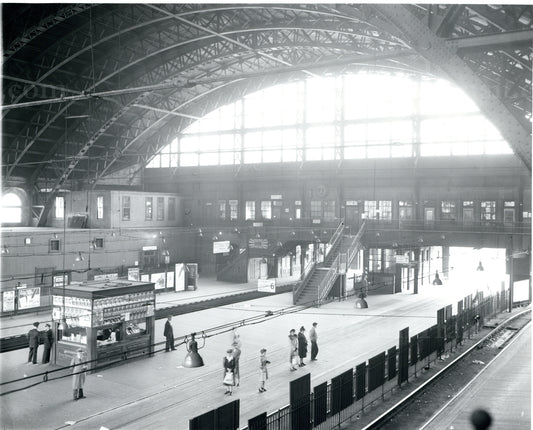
pixel 263 362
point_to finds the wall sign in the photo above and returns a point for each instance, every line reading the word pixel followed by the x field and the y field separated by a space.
pixel 266 285
pixel 258 243
pixel 221 247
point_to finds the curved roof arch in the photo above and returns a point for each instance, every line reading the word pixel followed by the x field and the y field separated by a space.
pixel 112 81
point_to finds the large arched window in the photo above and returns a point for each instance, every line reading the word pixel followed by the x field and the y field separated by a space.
pixel 11 209
pixel 354 116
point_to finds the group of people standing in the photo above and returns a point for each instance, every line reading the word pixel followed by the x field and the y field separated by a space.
pixel 230 365
pixel 298 346
pixel 35 338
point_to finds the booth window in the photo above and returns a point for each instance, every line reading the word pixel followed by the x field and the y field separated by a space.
pixel 160 208
pixel 148 209
pixel 100 207
pixel 11 209
pixel 99 243
pixel 250 210
pixel 126 211
pixel 60 207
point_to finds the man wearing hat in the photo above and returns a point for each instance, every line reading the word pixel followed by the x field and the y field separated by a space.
pixel 78 374
pixel 33 343
pixel 48 340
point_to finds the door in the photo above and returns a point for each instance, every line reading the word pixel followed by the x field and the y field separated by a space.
pixel 508 216
pixel 429 216
pixel 352 218
pixel 468 216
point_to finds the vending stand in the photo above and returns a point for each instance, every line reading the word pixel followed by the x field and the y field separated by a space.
pixel 110 320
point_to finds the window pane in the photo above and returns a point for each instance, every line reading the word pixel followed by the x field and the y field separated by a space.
pixel 60 207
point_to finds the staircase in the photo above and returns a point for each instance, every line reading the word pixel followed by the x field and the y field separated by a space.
pixel 319 278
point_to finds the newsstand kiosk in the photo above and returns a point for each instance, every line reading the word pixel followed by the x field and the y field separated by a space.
pixel 110 320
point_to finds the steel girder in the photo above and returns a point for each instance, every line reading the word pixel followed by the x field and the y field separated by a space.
pixel 434 49
pixel 143 55
pixel 137 45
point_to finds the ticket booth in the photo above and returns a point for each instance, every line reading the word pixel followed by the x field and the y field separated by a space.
pixel 110 320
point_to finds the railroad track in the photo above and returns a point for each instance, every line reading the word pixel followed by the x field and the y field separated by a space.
pixel 427 399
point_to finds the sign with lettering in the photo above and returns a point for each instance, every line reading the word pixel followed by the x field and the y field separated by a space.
pixel 402 259
pixel 266 285
pixel 221 247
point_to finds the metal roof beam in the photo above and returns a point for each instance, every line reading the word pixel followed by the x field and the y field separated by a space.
pixel 435 50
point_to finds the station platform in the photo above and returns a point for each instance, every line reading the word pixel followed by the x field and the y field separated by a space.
pixel 208 288
pixel 159 393
pixel 503 389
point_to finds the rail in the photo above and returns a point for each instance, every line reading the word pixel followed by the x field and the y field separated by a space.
pixel 309 268
pixel 327 282
pixel 335 238
pixel 231 264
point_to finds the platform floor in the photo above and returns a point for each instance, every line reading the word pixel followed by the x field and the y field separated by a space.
pixel 159 393
pixel 503 389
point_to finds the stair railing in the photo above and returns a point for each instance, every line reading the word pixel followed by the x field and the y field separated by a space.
pixel 231 264
pixel 335 238
pixel 328 280
pixel 308 270
pixel 332 243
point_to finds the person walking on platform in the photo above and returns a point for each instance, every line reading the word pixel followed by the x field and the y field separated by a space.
pixel 236 344
pixel 78 374
pixel 48 339
pixel 313 337
pixel 33 343
pixel 229 367
pixel 169 334
pixel 302 346
pixel 263 368
pixel 293 345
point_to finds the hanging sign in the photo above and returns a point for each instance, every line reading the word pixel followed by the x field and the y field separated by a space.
pixel 221 247
pixel 8 301
pixel 134 273
pixel 258 243
pixel 29 298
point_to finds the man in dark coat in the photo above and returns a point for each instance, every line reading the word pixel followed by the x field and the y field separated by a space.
pixel 302 346
pixel 48 340
pixel 169 334
pixel 33 343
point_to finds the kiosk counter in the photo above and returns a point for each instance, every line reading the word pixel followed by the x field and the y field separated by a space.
pixel 110 320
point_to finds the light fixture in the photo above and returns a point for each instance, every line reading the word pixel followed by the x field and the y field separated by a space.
pixel 5 249
pixel 258 235
pixel 79 257
pixel 27 241
pixel 215 237
pixel 220 233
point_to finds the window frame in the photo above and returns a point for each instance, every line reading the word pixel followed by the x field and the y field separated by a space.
pixel 148 208
pixel 99 207
pixel 249 211
pixel 60 209
pixel 160 215
pixel 126 207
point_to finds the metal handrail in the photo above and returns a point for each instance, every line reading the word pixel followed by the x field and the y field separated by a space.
pixel 308 270
pixel 231 264
pixel 328 280
pixel 335 237
pixel 311 265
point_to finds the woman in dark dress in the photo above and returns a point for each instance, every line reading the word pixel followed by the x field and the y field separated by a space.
pixel 229 367
pixel 302 346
